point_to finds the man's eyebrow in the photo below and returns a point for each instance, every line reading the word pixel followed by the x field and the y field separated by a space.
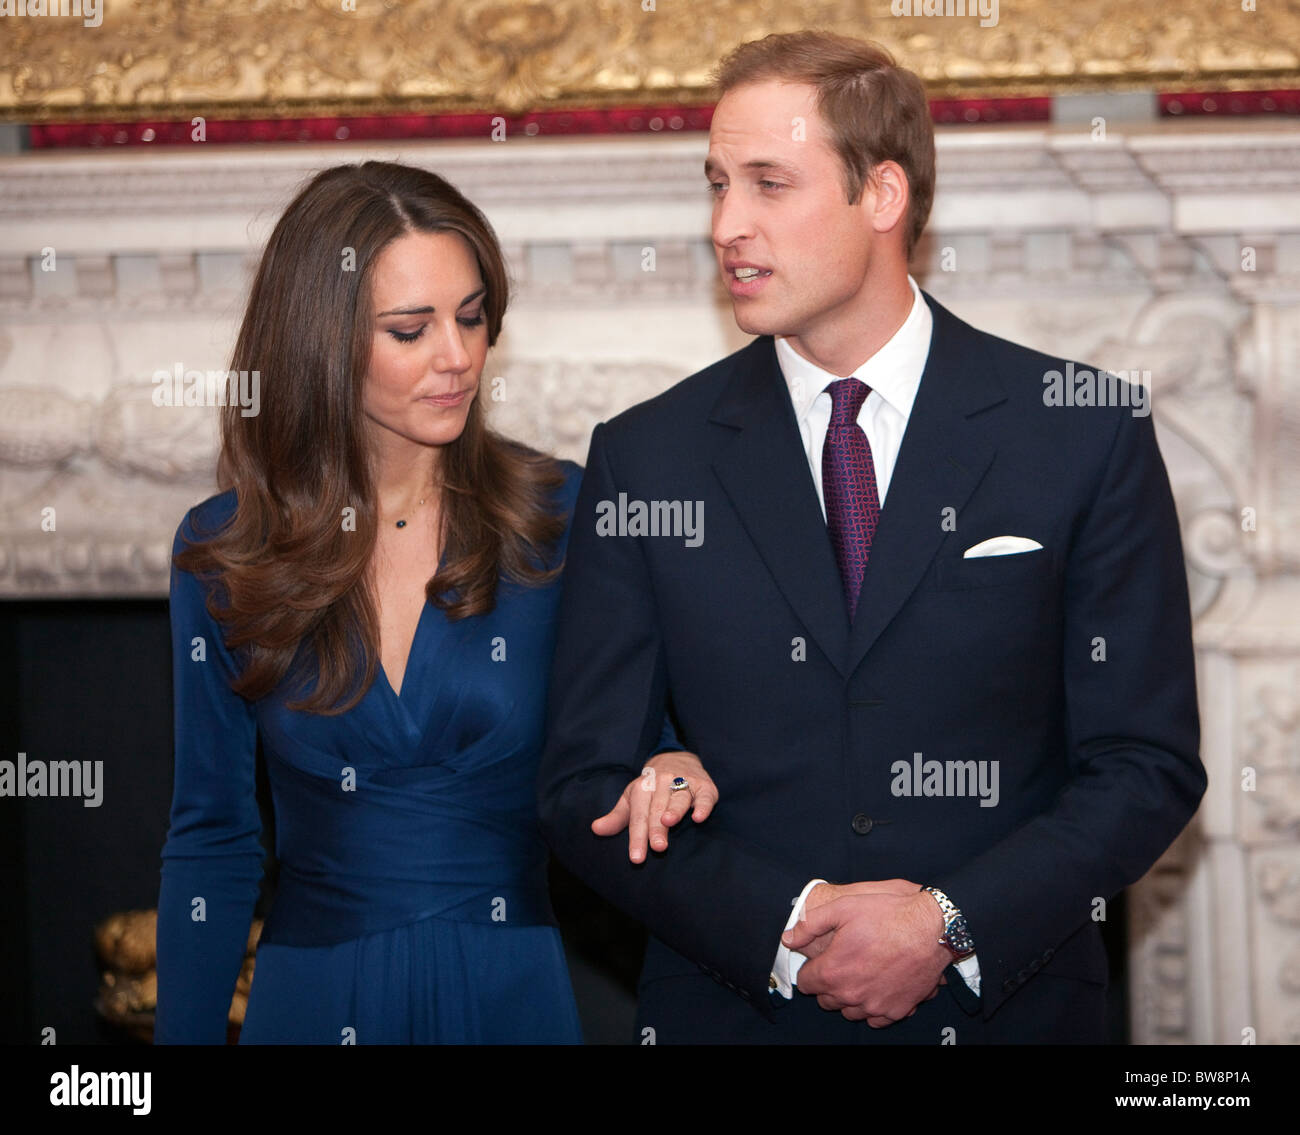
pixel 710 168
pixel 426 309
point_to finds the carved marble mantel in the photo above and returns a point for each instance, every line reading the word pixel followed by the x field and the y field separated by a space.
pixel 1170 248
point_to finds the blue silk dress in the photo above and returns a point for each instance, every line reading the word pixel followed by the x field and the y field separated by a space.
pixel 412 904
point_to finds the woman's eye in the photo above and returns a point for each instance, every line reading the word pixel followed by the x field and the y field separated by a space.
pixel 412 336
pixel 406 336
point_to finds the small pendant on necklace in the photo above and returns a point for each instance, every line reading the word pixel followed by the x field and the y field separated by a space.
pixel 402 523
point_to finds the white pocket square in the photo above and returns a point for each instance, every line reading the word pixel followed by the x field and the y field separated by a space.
pixel 1001 546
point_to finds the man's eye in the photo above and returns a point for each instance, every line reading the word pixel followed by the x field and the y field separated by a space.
pixel 406 336
pixel 771 184
pixel 714 187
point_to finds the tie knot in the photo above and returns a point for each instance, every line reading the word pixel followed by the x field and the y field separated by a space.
pixel 847 396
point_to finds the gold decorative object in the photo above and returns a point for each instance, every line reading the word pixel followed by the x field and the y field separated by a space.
pixel 126 943
pixel 174 59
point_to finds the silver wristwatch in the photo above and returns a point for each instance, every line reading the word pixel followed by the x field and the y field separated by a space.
pixel 956 934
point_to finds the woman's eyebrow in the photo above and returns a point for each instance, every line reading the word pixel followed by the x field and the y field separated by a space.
pixel 429 310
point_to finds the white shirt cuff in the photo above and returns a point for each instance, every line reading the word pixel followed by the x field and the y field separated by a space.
pixel 785 970
pixel 969 968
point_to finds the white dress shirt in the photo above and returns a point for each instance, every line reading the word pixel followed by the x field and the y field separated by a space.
pixel 894 375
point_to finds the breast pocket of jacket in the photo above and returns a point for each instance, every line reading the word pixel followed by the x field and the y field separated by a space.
pixel 953 573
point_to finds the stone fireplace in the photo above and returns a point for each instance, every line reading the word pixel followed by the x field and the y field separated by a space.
pixel 1170 248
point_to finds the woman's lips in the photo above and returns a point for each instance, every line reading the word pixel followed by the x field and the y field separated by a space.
pixel 446 399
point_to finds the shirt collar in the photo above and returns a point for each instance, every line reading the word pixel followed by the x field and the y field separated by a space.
pixel 893 372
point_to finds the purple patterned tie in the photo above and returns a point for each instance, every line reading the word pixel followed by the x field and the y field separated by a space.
pixel 849 486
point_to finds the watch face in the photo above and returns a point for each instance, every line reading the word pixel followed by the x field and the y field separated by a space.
pixel 959 937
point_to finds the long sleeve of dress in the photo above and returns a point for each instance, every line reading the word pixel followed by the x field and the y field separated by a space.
pixel 668 739
pixel 212 859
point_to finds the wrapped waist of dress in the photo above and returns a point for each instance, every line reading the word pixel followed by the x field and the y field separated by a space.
pixel 383 855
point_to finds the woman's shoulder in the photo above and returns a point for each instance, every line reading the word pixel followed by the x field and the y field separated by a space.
pixel 206 518
pixel 567 493
pixel 572 478
pixel 547 465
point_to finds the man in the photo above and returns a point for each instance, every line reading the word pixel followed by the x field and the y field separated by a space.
pixel 933 631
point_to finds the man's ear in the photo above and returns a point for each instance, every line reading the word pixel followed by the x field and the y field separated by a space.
pixel 886 196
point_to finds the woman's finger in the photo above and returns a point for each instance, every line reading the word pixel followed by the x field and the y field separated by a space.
pixel 613 821
pixel 706 795
pixel 663 791
pixel 677 804
pixel 641 794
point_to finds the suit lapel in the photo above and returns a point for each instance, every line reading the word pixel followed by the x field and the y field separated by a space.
pixel 945 451
pixel 760 460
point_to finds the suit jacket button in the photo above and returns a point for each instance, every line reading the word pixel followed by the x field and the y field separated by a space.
pixel 1008 985
pixel 862 824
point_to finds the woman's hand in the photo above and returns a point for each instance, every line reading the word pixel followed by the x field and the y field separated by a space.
pixel 650 806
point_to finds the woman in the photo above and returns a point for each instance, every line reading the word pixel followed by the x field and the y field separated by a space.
pixel 374 596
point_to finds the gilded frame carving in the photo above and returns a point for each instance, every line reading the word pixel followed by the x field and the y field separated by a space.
pixel 173 59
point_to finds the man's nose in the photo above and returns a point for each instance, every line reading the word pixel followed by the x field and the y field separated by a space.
pixel 731 219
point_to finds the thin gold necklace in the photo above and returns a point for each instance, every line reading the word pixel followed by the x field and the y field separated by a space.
pixel 402 523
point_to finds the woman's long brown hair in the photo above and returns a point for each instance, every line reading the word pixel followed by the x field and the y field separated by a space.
pixel 295 598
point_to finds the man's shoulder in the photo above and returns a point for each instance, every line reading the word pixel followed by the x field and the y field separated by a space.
pixel 1039 386
pixel 1013 360
pixel 686 402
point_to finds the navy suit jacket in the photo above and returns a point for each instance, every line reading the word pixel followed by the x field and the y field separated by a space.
pixel 1070 666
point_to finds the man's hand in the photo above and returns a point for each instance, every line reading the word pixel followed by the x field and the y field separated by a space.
pixel 649 806
pixel 829 892
pixel 873 949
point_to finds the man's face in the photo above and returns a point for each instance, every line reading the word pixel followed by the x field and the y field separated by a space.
pixel 779 206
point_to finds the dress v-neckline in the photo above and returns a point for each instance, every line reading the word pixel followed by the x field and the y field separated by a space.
pixel 415 642
pixel 410 656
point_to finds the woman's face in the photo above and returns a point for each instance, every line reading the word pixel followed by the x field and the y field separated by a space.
pixel 430 339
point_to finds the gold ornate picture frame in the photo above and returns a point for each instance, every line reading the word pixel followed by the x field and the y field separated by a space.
pixel 130 60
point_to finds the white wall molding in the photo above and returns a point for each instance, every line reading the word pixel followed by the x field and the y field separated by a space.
pixel 1170 247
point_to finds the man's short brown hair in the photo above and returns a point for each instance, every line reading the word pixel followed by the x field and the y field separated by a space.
pixel 874 109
